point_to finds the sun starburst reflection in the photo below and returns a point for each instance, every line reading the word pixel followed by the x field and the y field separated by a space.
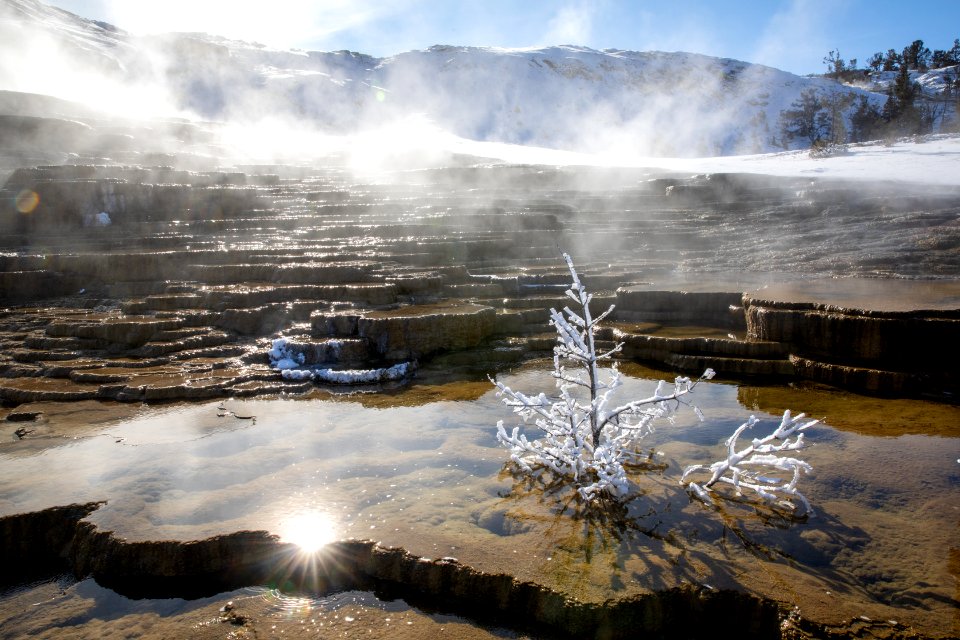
pixel 309 530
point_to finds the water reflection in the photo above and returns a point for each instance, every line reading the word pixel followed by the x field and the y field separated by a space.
pixel 430 477
pixel 584 532
pixel 309 530
pixel 867 415
pixel 65 608
pixel 653 538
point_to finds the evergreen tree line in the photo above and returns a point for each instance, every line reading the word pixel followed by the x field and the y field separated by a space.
pixel 915 56
pixel 819 119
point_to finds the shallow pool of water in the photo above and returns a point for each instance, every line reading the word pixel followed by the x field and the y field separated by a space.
pixel 63 607
pixel 421 469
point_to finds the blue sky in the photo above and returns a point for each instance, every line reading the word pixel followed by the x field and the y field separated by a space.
pixel 793 35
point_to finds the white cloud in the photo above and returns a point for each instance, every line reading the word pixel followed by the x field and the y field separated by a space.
pixel 280 23
pixel 572 24
pixel 795 35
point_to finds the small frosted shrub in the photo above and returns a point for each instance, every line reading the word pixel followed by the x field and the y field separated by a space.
pixel 584 437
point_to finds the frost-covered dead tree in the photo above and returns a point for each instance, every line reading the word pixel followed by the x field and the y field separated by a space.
pixel 758 467
pixel 584 436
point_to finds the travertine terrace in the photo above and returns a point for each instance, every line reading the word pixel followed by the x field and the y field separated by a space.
pixel 132 283
pixel 126 288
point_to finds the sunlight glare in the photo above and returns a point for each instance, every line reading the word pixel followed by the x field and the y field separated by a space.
pixel 309 530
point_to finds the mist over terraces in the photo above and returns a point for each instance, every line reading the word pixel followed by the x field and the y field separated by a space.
pixel 182 199
pixel 172 284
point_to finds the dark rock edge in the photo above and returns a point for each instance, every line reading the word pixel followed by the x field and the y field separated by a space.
pixel 42 544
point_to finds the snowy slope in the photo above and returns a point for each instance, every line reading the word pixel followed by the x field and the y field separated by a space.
pixel 933 160
pixel 675 104
pixel 933 82
pixel 565 97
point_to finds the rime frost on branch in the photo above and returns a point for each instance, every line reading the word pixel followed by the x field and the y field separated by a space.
pixel 758 467
pixel 583 436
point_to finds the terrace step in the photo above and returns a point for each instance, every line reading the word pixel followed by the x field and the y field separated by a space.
pixel 410 332
pixel 154 349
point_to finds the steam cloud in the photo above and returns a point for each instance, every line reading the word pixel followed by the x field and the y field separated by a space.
pixel 271 105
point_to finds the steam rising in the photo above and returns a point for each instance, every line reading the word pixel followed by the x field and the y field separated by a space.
pixel 263 104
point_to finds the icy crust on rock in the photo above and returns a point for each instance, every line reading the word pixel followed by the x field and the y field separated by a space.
pixel 291 365
pixel 282 357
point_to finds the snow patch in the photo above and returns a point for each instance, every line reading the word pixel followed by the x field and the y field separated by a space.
pixel 290 363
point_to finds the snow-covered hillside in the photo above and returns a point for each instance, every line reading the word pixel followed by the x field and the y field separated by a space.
pixel 564 97
pixel 932 82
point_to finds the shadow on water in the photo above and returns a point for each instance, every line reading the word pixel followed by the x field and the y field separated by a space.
pixel 656 538
pixel 419 470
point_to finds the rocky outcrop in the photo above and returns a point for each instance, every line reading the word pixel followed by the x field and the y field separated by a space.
pixel 41 544
pixel 299 273
pixel 411 332
pixel 29 285
pixel 253 295
pixel 891 383
pixel 879 351
pixel 72 197
pixel 711 309
pixel 36 545
pixel 263 320
pixel 109 330
pixel 727 356
pixel 328 351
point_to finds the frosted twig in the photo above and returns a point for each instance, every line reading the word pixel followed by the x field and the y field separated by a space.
pixel 757 467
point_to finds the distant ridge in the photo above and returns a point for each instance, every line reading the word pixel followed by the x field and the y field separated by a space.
pixel 563 97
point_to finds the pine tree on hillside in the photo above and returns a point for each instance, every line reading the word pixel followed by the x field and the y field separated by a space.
pixel 835 63
pixel 903 87
pixel 892 60
pixel 916 56
pixel 838 68
pixel 955 96
pixel 901 112
pixel 802 120
pixel 865 121
pixel 946 58
pixel 831 121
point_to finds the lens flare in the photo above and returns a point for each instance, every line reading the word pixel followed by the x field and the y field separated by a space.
pixel 27 200
pixel 310 530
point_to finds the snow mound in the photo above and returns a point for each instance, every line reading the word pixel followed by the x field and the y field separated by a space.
pixel 290 364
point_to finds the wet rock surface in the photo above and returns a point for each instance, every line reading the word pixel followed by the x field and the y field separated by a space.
pixel 194 270
pixel 879 351
pixel 420 471
pixel 51 543
pixel 57 540
pixel 411 331
pixel 177 291
pixel 43 611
